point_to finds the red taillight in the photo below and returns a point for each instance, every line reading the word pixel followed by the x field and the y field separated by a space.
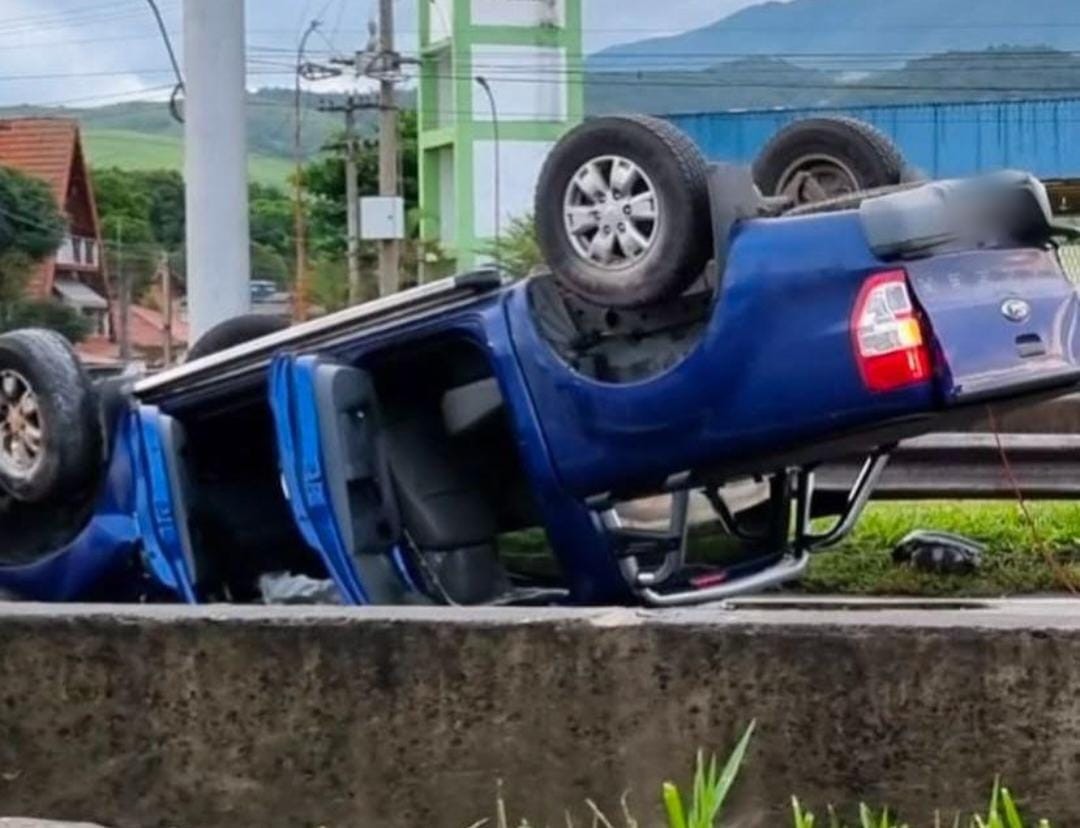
pixel 889 344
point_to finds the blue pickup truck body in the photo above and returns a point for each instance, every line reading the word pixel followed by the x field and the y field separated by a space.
pixel 770 382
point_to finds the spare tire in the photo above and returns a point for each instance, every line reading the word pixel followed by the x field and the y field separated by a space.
pixel 235 331
pixel 622 211
pixel 817 159
pixel 50 440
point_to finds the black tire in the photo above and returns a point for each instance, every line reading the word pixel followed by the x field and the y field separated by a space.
pixel 235 331
pixel 864 152
pixel 680 241
pixel 41 365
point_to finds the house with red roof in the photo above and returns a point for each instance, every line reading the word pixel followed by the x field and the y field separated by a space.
pixel 50 149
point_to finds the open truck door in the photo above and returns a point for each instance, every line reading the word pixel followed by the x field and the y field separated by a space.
pixel 336 476
pixel 161 500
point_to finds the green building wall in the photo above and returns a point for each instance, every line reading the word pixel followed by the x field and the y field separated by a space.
pixel 529 68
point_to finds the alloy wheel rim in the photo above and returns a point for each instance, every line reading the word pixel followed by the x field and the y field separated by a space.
pixel 612 213
pixel 21 430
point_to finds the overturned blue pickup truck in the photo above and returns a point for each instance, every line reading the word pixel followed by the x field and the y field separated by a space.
pixel 690 332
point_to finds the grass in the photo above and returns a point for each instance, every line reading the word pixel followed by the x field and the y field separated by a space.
pixel 703 806
pixel 1014 564
pixel 130 150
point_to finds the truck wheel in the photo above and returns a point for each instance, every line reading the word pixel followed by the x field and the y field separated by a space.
pixel 622 211
pixel 821 158
pixel 50 441
pixel 235 331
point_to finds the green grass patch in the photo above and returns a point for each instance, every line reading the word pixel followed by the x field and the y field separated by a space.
pixel 1014 563
pixel 130 150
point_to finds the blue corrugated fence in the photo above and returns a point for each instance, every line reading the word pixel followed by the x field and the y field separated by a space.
pixel 943 140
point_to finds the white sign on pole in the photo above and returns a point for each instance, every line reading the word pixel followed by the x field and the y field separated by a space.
pixel 382 217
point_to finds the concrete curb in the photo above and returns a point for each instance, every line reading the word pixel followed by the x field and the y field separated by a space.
pixel 137 717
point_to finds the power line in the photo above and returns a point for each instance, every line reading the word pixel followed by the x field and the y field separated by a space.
pixel 37 18
pixel 681 83
pixel 87 99
pixel 77 19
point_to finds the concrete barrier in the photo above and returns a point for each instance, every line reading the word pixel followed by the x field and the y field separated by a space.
pixel 324 717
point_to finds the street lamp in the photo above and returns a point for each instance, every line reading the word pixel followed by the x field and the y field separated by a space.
pixel 480 79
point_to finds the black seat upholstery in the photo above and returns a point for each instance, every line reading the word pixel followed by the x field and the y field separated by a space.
pixel 470 406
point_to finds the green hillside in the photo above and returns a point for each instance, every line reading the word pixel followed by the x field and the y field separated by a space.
pixel 132 150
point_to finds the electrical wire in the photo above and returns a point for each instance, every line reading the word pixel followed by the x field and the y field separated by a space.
pixel 107 98
pixel 1062 575
pixel 73 20
pixel 178 90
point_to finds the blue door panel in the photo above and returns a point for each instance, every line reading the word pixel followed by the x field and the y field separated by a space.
pixel 296 423
pixel 157 512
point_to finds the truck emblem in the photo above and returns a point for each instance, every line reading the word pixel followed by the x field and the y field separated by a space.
pixel 1015 310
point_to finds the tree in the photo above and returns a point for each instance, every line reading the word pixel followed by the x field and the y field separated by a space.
pixel 325 182
pixel 518 250
pixel 271 214
pixel 31 228
pixel 268 264
pixel 49 313
pixel 142 214
pixel 166 211
pixel 125 202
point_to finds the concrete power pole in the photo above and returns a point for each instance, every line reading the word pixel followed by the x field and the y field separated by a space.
pixel 350 107
pixel 167 308
pixel 389 250
pixel 352 196
pixel 215 166
pixel 125 295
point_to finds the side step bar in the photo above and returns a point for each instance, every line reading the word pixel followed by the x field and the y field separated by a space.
pixel 788 561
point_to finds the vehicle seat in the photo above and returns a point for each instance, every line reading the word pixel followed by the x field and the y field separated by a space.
pixel 471 406
pixel 443 510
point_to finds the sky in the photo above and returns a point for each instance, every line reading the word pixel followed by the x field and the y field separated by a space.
pixel 92 52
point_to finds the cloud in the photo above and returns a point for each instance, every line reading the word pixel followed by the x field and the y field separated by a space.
pixel 53 51
pixel 109 49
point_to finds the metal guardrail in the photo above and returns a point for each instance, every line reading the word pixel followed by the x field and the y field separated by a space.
pixel 1041 444
pixel 1042 466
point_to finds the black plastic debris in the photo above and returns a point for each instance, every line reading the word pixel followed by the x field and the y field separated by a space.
pixel 940 553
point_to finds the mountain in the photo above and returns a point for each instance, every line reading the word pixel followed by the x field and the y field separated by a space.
pixel 143 135
pixel 828 33
pixel 269 120
pixel 750 83
pixel 764 83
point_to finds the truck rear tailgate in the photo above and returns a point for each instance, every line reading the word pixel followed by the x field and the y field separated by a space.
pixel 1004 321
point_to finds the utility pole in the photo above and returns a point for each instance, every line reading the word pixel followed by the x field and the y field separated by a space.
pixel 381 62
pixel 352 196
pixel 125 295
pixel 389 250
pixel 350 107
pixel 215 162
pixel 300 298
pixel 167 308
